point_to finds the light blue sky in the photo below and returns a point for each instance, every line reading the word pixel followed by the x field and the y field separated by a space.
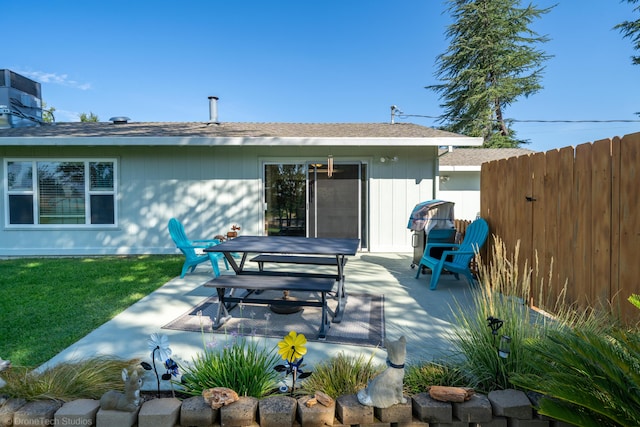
pixel 305 61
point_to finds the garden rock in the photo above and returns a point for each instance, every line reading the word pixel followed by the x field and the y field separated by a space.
pixel 218 397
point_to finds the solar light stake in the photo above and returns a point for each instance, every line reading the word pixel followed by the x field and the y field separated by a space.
pixel 494 323
pixel 504 349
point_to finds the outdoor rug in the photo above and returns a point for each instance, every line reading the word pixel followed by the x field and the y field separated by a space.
pixel 362 323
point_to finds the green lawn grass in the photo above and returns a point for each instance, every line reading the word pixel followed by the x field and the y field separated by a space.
pixel 47 304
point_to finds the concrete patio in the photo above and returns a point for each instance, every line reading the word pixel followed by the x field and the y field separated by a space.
pixel 425 317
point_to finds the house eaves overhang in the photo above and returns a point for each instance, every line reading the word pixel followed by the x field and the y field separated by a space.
pixel 460 168
pixel 124 141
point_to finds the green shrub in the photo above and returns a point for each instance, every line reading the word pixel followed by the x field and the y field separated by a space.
pixel 583 365
pixel 587 377
pixel 588 373
pixel 242 366
pixel 341 375
pixel 86 379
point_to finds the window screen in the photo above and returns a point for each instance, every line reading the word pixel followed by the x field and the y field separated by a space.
pixel 47 192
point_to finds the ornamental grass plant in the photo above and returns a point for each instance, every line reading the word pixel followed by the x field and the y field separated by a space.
pixel 583 366
pixel 341 375
pixel 67 381
pixel 502 294
pixel 238 363
pixel 241 365
pixel 420 377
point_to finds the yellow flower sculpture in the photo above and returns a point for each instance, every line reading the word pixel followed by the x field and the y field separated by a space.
pixel 292 347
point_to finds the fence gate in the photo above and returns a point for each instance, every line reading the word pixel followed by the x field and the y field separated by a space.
pixel 577 211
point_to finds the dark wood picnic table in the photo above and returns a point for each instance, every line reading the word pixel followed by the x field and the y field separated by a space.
pixel 287 250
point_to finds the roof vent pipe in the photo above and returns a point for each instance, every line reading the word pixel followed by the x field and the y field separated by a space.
pixel 395 110
pixel 213 110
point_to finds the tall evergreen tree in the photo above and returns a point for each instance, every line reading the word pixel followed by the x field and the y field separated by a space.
pixel 491 62
pixel 631 29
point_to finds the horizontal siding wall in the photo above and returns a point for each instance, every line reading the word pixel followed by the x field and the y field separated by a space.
pixel 212 188
pixel 463 189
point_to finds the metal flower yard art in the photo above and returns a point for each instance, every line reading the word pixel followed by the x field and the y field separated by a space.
pixel 159 346
pixel 292 349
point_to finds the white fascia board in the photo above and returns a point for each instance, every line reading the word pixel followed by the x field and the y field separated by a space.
pixel 460 168
pixel 237 141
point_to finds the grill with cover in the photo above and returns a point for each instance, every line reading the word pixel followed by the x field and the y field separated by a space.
pixel 431 222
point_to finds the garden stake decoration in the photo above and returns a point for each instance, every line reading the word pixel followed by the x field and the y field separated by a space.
pixel 504 348
pixel 494 324
pixel 172 370
pixel 159 346
pixel 292 348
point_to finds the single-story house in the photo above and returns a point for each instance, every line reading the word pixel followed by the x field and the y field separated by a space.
pixel 459 176
pixel 111 187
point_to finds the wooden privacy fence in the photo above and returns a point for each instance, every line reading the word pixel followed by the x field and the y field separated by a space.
pixel 578 207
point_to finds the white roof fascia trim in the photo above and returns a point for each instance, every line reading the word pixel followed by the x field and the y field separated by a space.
pixel 236 141
pixel 460 168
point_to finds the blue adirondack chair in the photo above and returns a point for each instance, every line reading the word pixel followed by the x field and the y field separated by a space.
pixel 188 248
pixel 460 254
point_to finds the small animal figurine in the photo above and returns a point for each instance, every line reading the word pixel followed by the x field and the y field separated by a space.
pixel 128 401
pixel 385 390
pixel 4 365
pixel 234 231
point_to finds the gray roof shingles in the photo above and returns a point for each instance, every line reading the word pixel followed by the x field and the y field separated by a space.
pixel 477 156
pixel 207 130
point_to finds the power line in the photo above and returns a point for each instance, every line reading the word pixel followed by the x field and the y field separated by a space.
pixel 533 120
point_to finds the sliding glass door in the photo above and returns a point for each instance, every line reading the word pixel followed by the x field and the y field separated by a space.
pixel 285 195
pixel 334 200
pixel 315 199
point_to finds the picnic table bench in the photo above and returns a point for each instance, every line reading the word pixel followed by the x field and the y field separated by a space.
pixel 279 282
pixel 305 260
pixel 293 259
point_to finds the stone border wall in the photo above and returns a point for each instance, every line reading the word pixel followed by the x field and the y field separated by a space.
pixel 502 408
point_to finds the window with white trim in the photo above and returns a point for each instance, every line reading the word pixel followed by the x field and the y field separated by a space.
pixel 60 192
